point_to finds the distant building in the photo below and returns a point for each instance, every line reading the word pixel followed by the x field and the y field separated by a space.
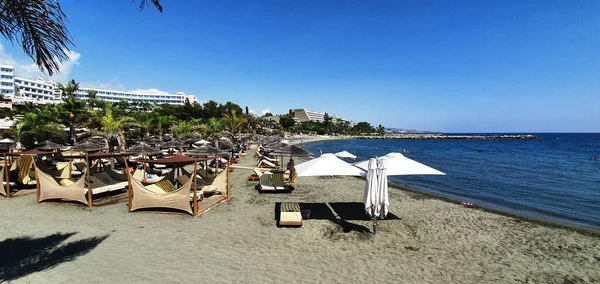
pixel 192 99
pixel 133 97
pixel 39 91
pixel 303 115
pixel 7 80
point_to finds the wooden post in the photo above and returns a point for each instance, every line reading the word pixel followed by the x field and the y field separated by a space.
pixel 7 177
pixel 144 172
pixel 89 175
pixel 37 183
pixel 228 179
pixel 70 168
pixel 130 191
pixel 194 180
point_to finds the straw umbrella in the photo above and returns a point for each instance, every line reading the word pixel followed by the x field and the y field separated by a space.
pixel 49 145
pixel 142 149
pixel 88 146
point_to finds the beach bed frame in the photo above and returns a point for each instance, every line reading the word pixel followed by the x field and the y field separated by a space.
pixel 290 215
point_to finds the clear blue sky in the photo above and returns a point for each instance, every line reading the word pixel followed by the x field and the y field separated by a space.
pixel 452 66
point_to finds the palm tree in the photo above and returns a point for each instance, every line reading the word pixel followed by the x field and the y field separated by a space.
pixel 113 127
pixel 28 107
pixel 161 123
pixel 91 98
pixel 37 127
pixel 232 122
pixel 38 25
pixel 8 112
pixel 185 129
pixel 214 125
pixel 68 90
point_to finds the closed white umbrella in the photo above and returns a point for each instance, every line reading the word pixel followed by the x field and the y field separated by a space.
pixel 370 188
pixel 327 165
pixel 376 196
pixel 345 154
pixel 398 164
pixel 383 202
pixel 390 164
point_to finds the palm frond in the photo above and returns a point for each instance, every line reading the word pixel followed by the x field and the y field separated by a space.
pixel 38 25
pixel 156 4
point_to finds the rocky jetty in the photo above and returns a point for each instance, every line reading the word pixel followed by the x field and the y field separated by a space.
pixel 442 136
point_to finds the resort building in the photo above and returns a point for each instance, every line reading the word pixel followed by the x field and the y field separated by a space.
pixel 36 91
pixel 7 80
pixel 39 91
pixel 303 115
pixel 133 97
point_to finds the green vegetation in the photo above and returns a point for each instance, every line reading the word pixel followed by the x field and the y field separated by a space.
pixel 122 120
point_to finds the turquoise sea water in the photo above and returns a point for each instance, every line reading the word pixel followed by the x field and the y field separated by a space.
pixel 553 178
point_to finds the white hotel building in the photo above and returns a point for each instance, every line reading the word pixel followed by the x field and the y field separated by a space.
pixel 44 92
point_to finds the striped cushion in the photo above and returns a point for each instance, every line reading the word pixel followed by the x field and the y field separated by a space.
pixel 182 179
pixel 290 207
pixel 166 186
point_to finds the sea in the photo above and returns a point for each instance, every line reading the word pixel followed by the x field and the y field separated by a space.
pixel 552 179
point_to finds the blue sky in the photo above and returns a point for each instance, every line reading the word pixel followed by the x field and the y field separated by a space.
pixel 452 66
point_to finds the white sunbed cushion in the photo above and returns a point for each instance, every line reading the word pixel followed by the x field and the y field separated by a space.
pixel 290 216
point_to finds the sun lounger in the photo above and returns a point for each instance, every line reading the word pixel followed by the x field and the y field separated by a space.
pixel 289 214
pixel 256 174
pixel 273 182
pixel 267 164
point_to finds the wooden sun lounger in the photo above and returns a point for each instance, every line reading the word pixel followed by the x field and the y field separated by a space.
pixel 273 182
pixel 290 215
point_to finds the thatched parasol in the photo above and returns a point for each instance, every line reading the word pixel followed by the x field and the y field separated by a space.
pixel 142 149
pixel 88 146
pixel 49 145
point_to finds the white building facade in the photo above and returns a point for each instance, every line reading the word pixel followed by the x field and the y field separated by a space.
pixel 7 80
pixel 44 92
pixel 133 97
pixel 303 115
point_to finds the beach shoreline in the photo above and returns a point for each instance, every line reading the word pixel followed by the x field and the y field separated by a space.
pixel 407 188
pixel 423 240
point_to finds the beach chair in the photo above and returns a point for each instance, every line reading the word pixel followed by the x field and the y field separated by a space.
pixel 267 164
pixel 273 183
pixel 290 215
pixel 256 174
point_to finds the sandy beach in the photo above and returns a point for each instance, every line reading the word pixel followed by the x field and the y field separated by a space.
pixel 424 240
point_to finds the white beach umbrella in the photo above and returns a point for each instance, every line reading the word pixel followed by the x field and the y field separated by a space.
pixel 327 165
pixel 376 198
pixel 398 164
pixel 370 188
pixel 7 141
pixel 201 142
pixel 345 154
pixel 383 202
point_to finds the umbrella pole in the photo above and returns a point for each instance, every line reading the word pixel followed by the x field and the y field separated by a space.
pixel 374 225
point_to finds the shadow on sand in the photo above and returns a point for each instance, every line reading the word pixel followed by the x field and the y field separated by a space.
pixel 339 213
pixel 24 255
